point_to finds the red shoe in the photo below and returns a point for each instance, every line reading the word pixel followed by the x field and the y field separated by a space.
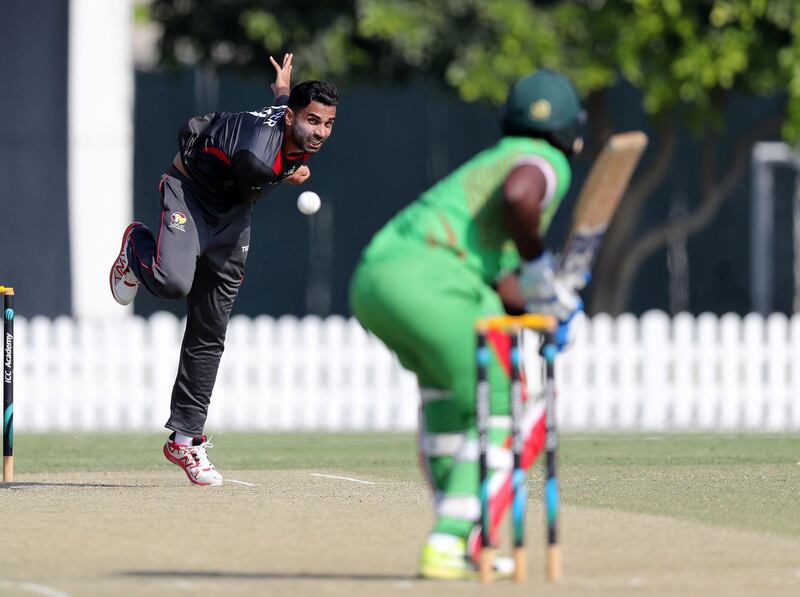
pixel 194 461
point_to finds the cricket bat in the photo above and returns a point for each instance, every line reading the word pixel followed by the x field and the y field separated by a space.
pixel 597 202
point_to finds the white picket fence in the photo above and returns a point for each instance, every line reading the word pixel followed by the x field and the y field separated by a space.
pixel 648 373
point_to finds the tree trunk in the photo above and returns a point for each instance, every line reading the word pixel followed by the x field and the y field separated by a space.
pixel 712 201
pixel 598 123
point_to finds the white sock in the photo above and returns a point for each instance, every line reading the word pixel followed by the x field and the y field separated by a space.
pixel 445 542
pixel 183 440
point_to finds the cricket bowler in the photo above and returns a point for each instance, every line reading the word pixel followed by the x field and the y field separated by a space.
pixel 225 163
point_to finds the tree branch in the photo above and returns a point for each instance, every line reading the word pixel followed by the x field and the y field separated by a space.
pixel 692 223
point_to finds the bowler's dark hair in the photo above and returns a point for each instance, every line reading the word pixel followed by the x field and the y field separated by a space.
pixel 313 91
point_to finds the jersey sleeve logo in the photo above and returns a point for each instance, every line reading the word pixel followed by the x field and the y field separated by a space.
pixel 178 221
pixel 271 115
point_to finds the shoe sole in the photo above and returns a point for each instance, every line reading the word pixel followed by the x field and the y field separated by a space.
pixel 125 236
pixel 188 476
pixel 445 573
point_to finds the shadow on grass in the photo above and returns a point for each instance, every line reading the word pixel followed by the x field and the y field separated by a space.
pixel 33 484
pixel 208 574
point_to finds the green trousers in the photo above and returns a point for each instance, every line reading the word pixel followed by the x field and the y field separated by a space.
pixel 422 302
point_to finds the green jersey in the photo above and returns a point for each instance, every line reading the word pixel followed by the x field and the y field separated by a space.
pixel 463 213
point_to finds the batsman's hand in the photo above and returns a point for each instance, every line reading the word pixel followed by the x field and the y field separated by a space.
pixel 283 75
pixel 547 293
pixel 568 331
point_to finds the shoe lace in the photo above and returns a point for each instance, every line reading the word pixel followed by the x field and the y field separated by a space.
pixel 201 455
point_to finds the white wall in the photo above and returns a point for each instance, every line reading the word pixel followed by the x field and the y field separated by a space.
pixel 100 147
pixel 653 373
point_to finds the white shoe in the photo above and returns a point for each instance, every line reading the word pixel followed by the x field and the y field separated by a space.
pixel 122 280
pixel 194 461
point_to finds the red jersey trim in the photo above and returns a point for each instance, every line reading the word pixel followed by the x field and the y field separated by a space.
pixel 218 153
pixel 277 166
pixel 300 156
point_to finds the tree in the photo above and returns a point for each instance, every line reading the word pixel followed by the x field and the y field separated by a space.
pixel 686 57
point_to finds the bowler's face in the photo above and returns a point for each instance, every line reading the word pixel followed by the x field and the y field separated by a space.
pixel 311 126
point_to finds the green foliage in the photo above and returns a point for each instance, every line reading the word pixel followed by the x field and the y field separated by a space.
pixel 141 14
pixel 681 54
pixel 244 33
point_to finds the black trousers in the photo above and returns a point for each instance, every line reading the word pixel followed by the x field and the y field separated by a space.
pixel 200 255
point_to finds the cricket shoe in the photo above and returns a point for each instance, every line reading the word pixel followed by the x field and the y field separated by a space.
pixel 122 280
pixel 194 461
pixel 445 557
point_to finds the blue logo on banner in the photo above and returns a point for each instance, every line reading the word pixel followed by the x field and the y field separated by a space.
pixel 9 314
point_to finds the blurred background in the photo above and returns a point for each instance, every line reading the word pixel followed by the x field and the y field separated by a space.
pixel 703 251
pixel 92 110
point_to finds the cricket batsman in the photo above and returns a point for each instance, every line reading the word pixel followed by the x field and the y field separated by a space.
pixel 225 163
pixel 471 246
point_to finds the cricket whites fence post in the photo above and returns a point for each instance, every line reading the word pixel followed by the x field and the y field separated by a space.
pixel 8 383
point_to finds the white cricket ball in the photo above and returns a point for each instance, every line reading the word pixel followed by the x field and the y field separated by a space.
pixel 309 202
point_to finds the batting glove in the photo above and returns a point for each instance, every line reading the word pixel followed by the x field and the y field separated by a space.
pixel 545 292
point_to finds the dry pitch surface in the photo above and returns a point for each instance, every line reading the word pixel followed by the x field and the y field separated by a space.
pixel 293 532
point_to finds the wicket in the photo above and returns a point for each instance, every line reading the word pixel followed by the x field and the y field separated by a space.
pixel 512 326
pixel 8 383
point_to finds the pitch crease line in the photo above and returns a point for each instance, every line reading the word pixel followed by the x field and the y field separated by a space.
pixel 32 587
pixel 241 482
pixel 343 478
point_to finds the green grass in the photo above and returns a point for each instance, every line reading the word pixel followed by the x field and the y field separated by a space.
pixel 743 481
pixel 390 454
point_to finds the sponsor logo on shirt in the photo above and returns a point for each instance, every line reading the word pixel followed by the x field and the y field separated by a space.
pixel 245 248
pixel 178 221
pixel 275 117
pixel 271 116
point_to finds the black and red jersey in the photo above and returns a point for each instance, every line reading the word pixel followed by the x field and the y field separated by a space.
pixel 236 157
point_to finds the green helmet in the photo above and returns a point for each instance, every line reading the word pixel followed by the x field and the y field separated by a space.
pixel 545 104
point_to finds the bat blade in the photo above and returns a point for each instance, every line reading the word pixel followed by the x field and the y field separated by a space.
pixel 597 203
